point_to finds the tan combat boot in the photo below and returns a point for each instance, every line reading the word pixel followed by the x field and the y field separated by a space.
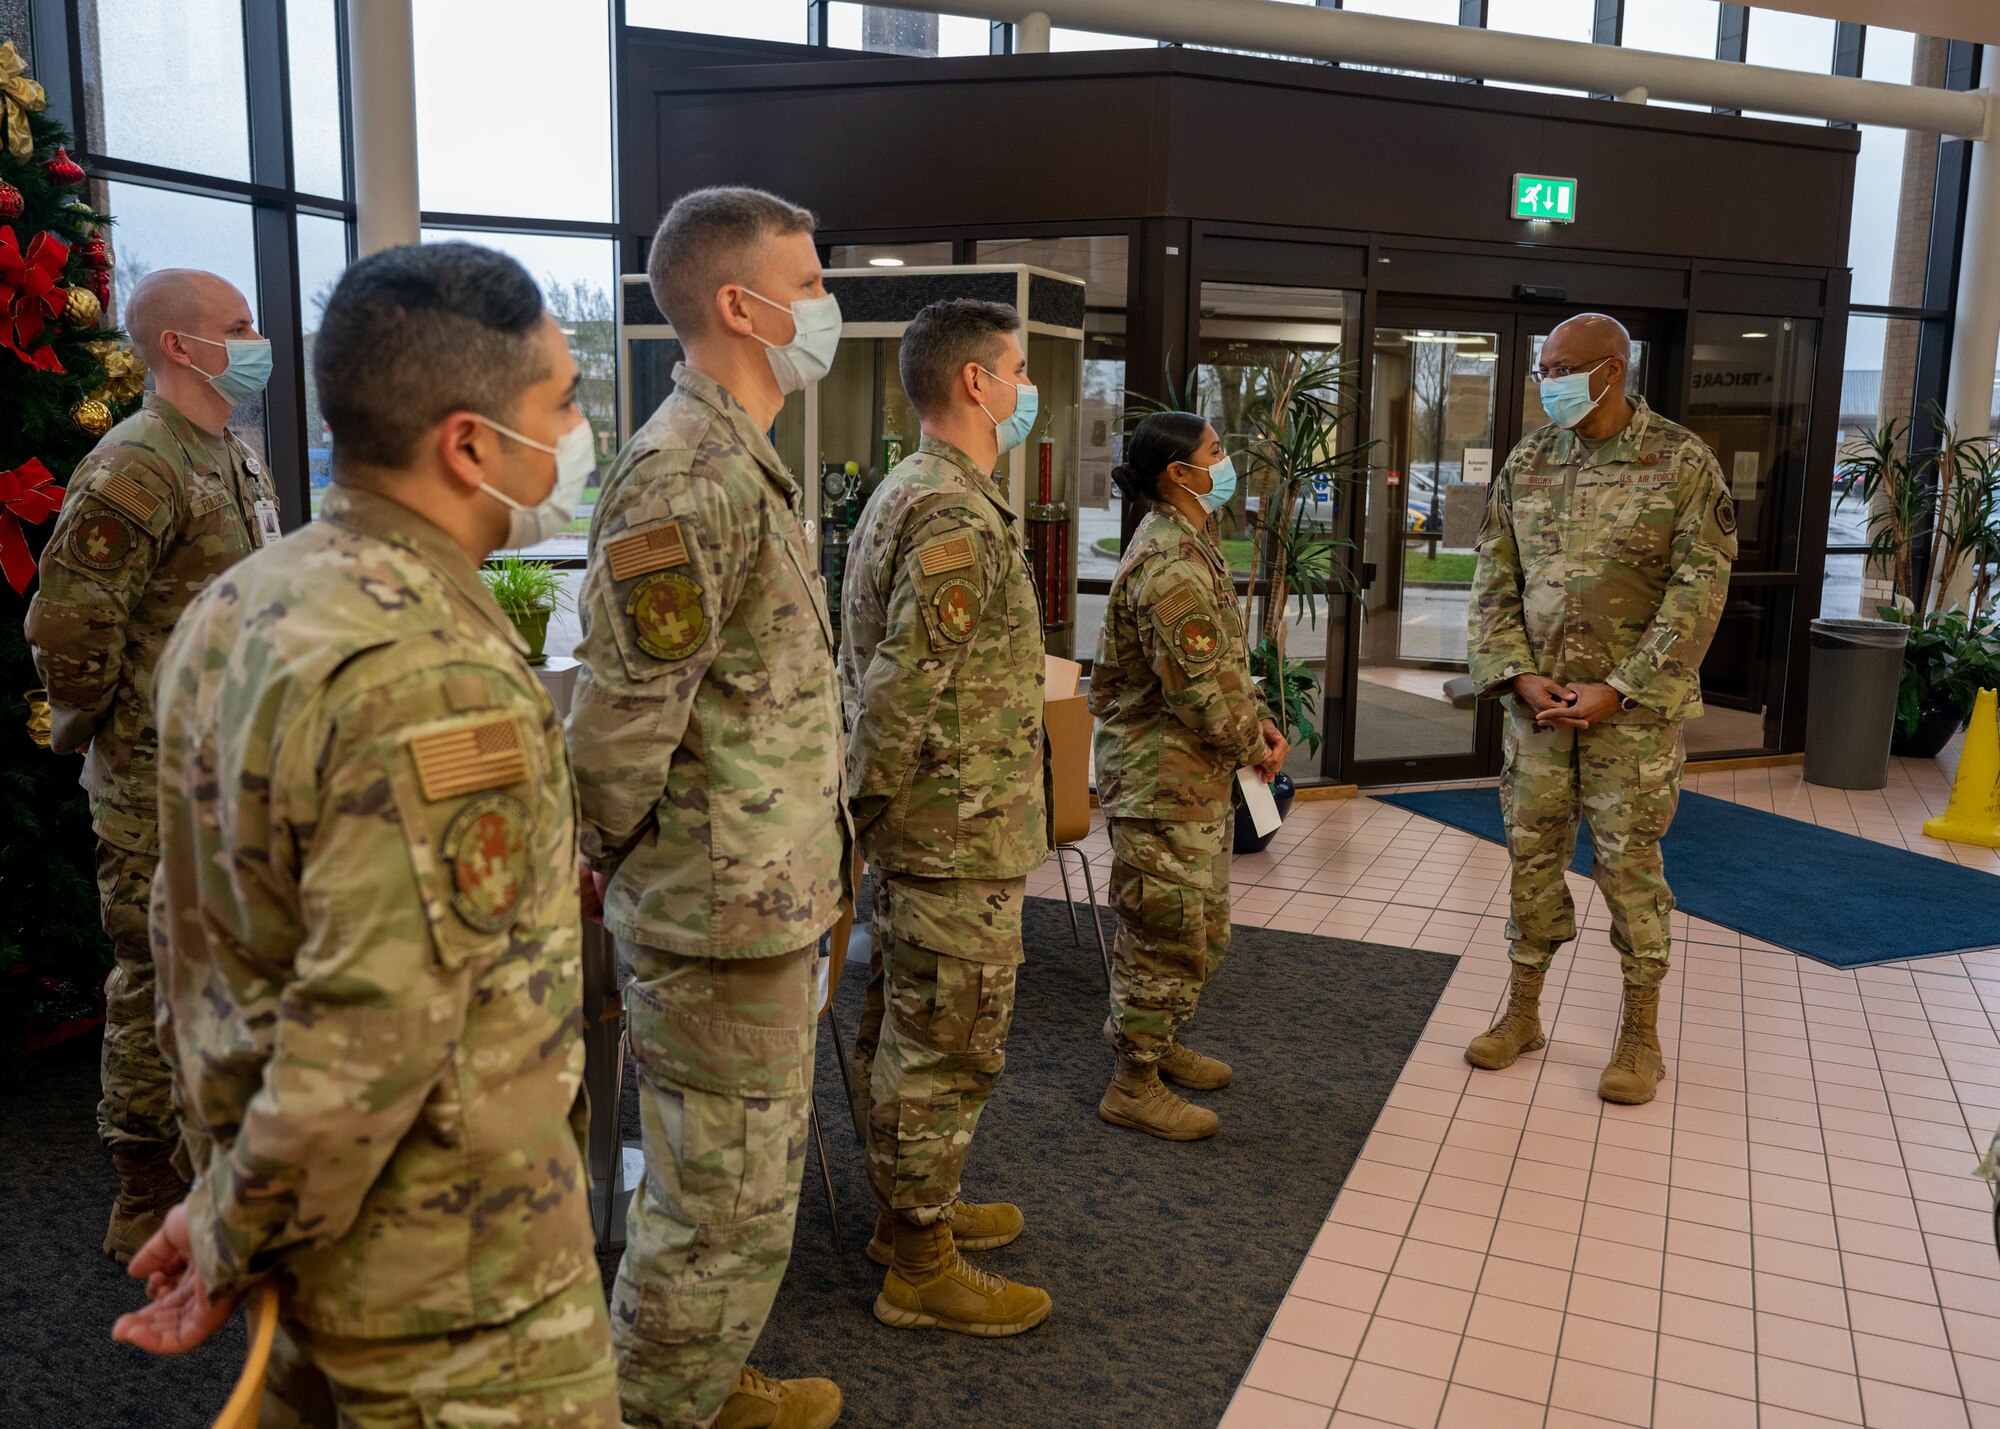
pixel 973 1227
pixel 1636 1062
pixel 1138 1099
pixel 1186 1067
pixel 1519 1028
pixel 149 1185
pixel 929 1286
pixel 760 1402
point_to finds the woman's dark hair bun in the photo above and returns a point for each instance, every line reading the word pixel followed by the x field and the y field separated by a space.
pixel 1127 482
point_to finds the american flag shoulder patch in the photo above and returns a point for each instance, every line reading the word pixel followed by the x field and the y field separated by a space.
pixel 469 757
pixel 1177 604
pixel 128 496
pixel 644 551
pixel 954 553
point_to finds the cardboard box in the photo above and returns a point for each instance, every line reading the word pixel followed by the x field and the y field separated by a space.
pixel 1066 728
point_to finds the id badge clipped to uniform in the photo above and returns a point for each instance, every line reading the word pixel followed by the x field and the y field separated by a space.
pixel 268 529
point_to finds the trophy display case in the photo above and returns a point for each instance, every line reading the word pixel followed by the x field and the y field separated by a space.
pixel 842 434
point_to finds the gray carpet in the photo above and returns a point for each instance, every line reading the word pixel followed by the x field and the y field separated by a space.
pixel 1166 1262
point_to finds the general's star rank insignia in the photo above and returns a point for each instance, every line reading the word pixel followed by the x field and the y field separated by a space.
pixel 486 848
pixel 1198 639
pixel 103 540
pixel 957 606
pixel 667 615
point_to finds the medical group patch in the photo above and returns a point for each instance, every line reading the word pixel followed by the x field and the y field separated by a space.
pixel 102 541
pixel 1198 639
pixel 486 848
pixel 667 615
pixel 957 606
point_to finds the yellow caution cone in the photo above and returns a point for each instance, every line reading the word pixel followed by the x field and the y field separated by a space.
pixel 1973 815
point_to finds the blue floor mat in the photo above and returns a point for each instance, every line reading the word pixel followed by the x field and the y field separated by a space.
pixel 1842 900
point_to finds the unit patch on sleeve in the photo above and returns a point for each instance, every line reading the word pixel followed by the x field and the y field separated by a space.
pixel 1197 639
pixel 954 553
pixel 468 758
pixel 667 615
pixel 644 551
pixel 102 540
pixel 957 606
pixel 486 848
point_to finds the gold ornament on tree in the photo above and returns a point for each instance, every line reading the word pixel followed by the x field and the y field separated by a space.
pixel 82 310
pixel 124 374
pixel 92 416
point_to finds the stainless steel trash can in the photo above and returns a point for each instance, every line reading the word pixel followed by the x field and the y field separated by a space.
pixel 1851 701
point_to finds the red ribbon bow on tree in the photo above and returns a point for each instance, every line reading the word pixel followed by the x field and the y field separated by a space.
pixel 31 292
pixel 28 496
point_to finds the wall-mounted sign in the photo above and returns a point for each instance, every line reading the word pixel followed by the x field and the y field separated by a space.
pixel 1538 196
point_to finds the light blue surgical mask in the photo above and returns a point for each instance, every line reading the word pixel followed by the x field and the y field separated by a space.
pixel 1222 477
pixel 1027 405
pixel 1567 398
pixel 247 372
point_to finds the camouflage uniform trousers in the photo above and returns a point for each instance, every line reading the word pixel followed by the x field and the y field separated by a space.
pixel 137 1110
pixel 933 1035
pixel 1626 778
pixel 724 1048
pixel 549 1368
pixel 1170 887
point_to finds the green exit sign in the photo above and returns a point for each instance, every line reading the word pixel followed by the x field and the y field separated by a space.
pixel 1540 197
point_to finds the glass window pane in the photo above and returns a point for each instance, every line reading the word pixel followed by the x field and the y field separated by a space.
pixel 1743 676
pixel 484 145
pixel 322 259
pixel 1672 27
pixel 1438 12
pixel 576 276
pixel 743 19
pixel 170 81
pixel 1877 380
pixel 905 32
pixel 1099 262
pixel 1751 400
pixel 1895 177
pixel 889 255
pixel 158 228
pixel 1555 19
pixel 1840 593
pixel 1093 40
pixel 317 143
pixel 1783 40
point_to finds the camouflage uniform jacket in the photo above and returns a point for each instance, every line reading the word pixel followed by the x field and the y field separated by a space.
pixel 706 725
pixel 1177 712
pixel 157 510
pixel 941 670
pixel 366 928
pixel 1608 567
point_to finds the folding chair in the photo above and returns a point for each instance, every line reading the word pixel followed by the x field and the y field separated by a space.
pixel 1068 745
pixel 248 1397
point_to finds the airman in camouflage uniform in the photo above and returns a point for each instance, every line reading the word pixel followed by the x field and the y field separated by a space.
pixel 942 671
pixel 366 918
pixel 162 506
pixel 707 741
pixel 1178 714
pixel 1603 567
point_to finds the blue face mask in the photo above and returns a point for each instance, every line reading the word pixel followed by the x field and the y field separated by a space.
pixel 246 373
pixel 1567 398
pixel 1223 478
pixel 1015 429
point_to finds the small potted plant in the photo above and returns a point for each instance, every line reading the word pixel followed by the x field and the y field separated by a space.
pixel 528 592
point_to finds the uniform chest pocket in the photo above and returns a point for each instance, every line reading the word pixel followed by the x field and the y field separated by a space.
pixel 1644 532
pixel 212 516
pixel 465 791
pixel 785 620
pixel 1538 520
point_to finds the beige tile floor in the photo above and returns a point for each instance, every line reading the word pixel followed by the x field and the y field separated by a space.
pixel 1787 1236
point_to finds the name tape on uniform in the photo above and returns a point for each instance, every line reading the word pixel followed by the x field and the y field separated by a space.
pixel 130 497
pixel 644 551
pixel 458 761
pixel 952 554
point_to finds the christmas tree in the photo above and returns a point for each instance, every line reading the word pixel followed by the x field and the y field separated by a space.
pixel 65 377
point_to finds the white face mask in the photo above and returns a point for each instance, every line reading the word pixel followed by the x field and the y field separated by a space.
pixel 575 452
pixel 815 335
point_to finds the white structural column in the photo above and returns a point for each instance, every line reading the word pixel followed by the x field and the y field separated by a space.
pixel 1975 329
pixel 1031 34
pixel 382 69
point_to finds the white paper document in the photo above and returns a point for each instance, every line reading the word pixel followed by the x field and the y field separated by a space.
pixel 1257 799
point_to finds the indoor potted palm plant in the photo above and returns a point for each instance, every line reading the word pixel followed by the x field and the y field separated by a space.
pixel 528 592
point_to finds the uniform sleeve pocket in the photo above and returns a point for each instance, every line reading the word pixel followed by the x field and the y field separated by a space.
pixel 462 790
